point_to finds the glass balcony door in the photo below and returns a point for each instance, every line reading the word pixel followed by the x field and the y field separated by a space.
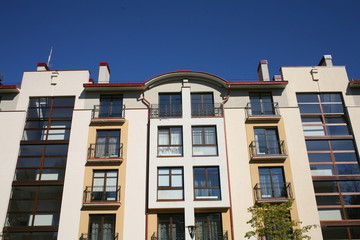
pixel 107 144
pixel 208 226
pixel 111 106
pixel 104 186
pixel 261 104
pixel 102 227
pixel 272 182
pixel 267 141
pixel 171 227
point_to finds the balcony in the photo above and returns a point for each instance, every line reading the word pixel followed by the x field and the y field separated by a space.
pixel 198 236
pixel 206 110
pixel 178 236
pixel 105 153
pixel 108 114
pixel 267 150
pixel 102 196
pixel 99 236
pixel 262 111
pixel 273 192
pixel 165 110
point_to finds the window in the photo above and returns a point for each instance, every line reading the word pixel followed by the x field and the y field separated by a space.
pixel 267 141
pixel 170 141
pixel 204 141
pixel 208 226
pixel 34 206
pixel 105 186
pixel 170 184
pixel 111 106
pixel 170 105
pixel 207 183
pixel 261 104
pixel 202 104
pixel 171 226
pixel 107 144
pixel 272 182
pixel 102 227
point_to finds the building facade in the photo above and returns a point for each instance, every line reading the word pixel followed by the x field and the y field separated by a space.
pixel 182 151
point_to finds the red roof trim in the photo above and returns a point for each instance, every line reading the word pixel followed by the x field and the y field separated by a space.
pixel 9 86
pixel 114 85
pixel 105 64
pixel 42 64
pixel 354 81
pixel 258 83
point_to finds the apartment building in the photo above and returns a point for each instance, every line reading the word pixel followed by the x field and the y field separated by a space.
pixel 179 156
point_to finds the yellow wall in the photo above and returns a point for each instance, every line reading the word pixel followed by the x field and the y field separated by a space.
pixel 85 212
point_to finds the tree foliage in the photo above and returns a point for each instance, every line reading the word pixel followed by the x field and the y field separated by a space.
pixel 273 221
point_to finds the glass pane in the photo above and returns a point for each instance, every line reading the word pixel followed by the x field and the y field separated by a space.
pixel 23 192
pixel 204 150
pixel 326 187
pixel 176 136
pixel 314 131
pixel 64 101
pixel 164 181
pixel 164 137
pixel 309 108
pixel 56 149
pixel 176 170
pixel 46 192
pixel 335 119
pixel 334 232
pixel 342 144
pixel 333 108
pixel 26 174
pixel 60 124
pixel 168 194
pixel 311 120
pixel 327 200
pixel 338 130
pixel 21 205
pixel 348 169
pixel 330 97
pixel 62 113
pixel 317 145
pixel 55 162
pixel 19 220
pixel 355 232
pixel 350 186
pixel 44 235
pixel 311 97
pixel 164 170
pixel 197 135
pixel 322 170
pixel 31 150
pixel 49 205
pixel 345 157
pixel 351 199
pixel 319 157
pixel 353 213
pixel 36 124
pixel 52 174
pixel 330 214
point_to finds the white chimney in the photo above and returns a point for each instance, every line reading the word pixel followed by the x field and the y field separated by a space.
pixel 263 70
pixel 104 73
pixel 42 67
pixel 326 61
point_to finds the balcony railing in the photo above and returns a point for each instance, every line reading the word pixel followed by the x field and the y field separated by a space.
pixel 102 194
pixel 99 236
pixel 273 191
pixel 209 235
pixel 178 236
pixel 165 110
pixel 206 110
pixel 109 111
pixel 267 149
pixel 108 151
pixel 262 110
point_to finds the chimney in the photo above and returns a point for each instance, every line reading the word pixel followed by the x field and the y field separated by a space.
pixel 263 70
pixel 104 73
pixel 42 67
pixel 326 61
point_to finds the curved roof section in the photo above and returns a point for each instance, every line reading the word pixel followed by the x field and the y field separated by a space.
pixel 185 74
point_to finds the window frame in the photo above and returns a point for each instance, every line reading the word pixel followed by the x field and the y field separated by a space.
pixel 206 175
pixel 170 187
pixel 169 138
pixel 203 140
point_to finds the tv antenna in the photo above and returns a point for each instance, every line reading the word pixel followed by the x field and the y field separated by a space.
pixel 49 58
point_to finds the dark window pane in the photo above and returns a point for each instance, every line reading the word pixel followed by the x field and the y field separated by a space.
pixel 334 119
pixel 40 113
pixel 345 157
pixel 19 236
pixel 304 98
pixel 317 145
pixel 350 186
pixel 348 169
pixel 311 120
pixel 48 205
pixel 28 162
pixel 334 233
pixel 60 149
pixel 355 232
pixel 309 108
pixel 55 162
pixel 338 130
pixel 47 192
pixel 326 187
pixel 31 150
pixel 18 219
pixel 351 199
pixel 39 102
pixel 26 174
pixel 319 157
pixel 62 112
pixel 36 124
pixel 330 97
pixel 21 205
pixel 44 235
pixel 342 145
pixel 23 192
pixel 332 108
pixel 64 102
pixel 327 200
pixel 353 213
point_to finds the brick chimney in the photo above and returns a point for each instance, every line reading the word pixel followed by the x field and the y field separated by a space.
pixel 104 73
pixel 263 70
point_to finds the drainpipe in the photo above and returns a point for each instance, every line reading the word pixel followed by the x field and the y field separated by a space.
pixel 227 164
pixel 147 103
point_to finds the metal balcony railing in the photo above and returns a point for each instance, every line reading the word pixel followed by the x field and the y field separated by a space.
pixel 212 236
pixel 267 147
pixel 105 150
pixel 266 191
pixel 262 109
pixel 102 194
pixel 165 110
pixel 99 236
pixel 178 236
pixel 109 111
pixel 206 110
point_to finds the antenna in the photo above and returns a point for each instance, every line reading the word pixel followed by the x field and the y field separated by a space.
pixel 49 58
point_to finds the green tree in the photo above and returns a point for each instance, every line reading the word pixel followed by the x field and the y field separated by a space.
pixel 273 221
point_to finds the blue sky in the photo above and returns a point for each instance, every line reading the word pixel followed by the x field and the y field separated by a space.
pixel 143 38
